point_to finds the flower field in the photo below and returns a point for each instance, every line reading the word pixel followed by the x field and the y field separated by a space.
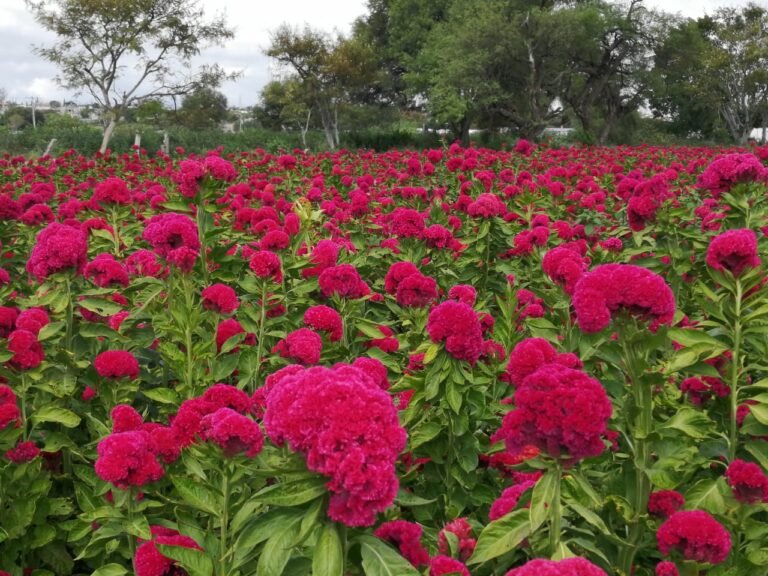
pixel 534 362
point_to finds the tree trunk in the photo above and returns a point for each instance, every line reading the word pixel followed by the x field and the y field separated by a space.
pixel 327 122
pixel 464 131
pixel 108 134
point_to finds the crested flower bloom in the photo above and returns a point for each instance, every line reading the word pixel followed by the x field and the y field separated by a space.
pixel 566 567
pixel 148 560
pixel 58 247
pixel 266 264
pixel 302 345
pixel 343 280
pixel 664 503
pixel 564 267
pixel 220 298
pixel 347 428
pixel 128 459
pixel 23 452
pixel 229 328
pixel 416 291
pixel 32 320
pixel 666 568
pixel 115 364
pixel 457 324
pixel 462 530
pixel 696 535
pixel 407 537
pixel 730 169
pixel 9 409
pixel 447 566
pixel 398 272
pixel 748 482
pixel 508 500
pixel 144 263
pixel 531 354
pixel 562 411
pixel 325 319
pixel 324 255
pixel 111 191
pixel 463 293
pixel 27 350
pixel 105 271
pixel 613 288
pixel 734 250
pixel 233 432
pixel 169 232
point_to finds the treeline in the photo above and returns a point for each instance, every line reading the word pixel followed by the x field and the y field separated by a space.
pixel 598 67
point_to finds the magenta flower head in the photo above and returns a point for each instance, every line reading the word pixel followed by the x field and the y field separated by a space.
pixel 458 326
pixel 128 459
pixel 696 535
pixel 325 319
pixel 613 288
pixel 220 298
pixel 729 169
pixel 344 281
pixel 58 248
pixel 347 427
pixel 27 351
pixel 566 567
pixel 233 432
pixel 266 264
pixel 171 231
pixel 564 267
pixel 734 250
pixel 115 364
pixel 748 482
pixel 148 560
pixel 562 411
pixel 302 345
pixel 407 537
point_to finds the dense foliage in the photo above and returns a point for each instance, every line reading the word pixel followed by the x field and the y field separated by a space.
pixel 448 361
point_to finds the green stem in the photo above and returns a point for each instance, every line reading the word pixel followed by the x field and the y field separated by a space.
pixel 225 490
pixel 70 316
pixel 131 540
pixel 24 429
pixel 555 523
pixel 260 343
pixel 200 217
pixel 641 430
pixel 115 223
pixel 188 332
pixel 735 362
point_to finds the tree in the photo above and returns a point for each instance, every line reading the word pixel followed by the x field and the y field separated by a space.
pixel 203 108
pixel 284 105
pixel 123 53
pixel 610 50
pixel 329 71
pixel 495 58
pixel 721 62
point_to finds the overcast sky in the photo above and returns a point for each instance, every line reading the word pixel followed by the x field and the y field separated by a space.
pixel 24 75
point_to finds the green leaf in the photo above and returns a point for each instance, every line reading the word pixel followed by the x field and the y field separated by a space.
pixel 225 365
pixel 328 558
pixel 102 307
pixel 431 353
pixel 197 495
pixel 407 499
pixel 760 412
pixel 62 416
pixel 195 562
pixel 707 495
pixel 161 395
pixel 292 493
pixel 501 536
pixel 589 516
pixel 690 337
pixel 691 422
pixel 424 433
pixel 541 499
pixel 260 530
pixel 110 570
pixel 379 559
pixel 278 551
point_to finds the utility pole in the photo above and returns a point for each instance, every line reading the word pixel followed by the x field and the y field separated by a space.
pixel 33 103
